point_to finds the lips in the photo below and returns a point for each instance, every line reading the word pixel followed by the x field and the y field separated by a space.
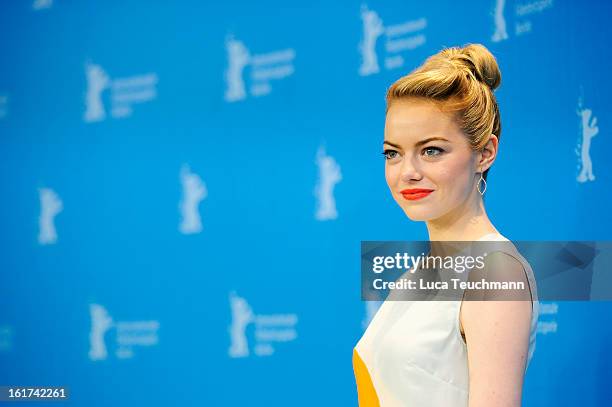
pixel 413 194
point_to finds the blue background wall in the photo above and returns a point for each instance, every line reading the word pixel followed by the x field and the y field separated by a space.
pixel 119 245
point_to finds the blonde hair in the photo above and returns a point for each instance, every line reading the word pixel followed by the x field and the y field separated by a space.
pixel 460 80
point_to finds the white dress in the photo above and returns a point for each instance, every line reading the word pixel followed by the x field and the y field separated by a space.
pixel 413 353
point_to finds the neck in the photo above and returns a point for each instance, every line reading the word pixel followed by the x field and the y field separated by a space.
pixel 469 221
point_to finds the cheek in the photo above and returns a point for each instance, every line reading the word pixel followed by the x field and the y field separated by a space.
pixel 455 175
pixel 391 175
pixel 445 176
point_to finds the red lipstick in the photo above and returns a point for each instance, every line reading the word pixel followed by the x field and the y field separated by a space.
pixel 413 194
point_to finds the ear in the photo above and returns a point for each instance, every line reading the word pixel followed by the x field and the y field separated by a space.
pixel 487 155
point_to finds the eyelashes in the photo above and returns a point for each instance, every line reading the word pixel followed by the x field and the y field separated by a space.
pixel 438 149
pixel 391 154
pixel 387 152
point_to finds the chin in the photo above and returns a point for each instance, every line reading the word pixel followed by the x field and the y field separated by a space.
pixel 418 215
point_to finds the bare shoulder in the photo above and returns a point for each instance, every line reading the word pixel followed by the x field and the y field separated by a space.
pixel 497 308
pixel 497 338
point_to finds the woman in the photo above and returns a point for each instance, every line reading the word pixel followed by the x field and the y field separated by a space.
pixel 442 134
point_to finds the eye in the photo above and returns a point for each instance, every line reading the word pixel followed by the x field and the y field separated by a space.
pixel 432 151
pixel 390 154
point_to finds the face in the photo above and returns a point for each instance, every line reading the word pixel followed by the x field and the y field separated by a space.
pixel 429 165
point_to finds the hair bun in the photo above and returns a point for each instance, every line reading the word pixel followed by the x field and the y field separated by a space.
pixel 482 64
pixel 459 79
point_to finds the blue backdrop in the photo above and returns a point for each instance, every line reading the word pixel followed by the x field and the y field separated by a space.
pixel 184 187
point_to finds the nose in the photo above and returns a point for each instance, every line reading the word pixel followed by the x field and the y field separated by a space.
pixel 410 170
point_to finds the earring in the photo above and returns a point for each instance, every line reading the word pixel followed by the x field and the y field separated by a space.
pixel 478 185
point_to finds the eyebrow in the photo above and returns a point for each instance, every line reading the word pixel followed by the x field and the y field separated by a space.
pixel 418 143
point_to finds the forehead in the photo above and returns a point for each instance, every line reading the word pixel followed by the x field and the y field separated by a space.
pixel 415 119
